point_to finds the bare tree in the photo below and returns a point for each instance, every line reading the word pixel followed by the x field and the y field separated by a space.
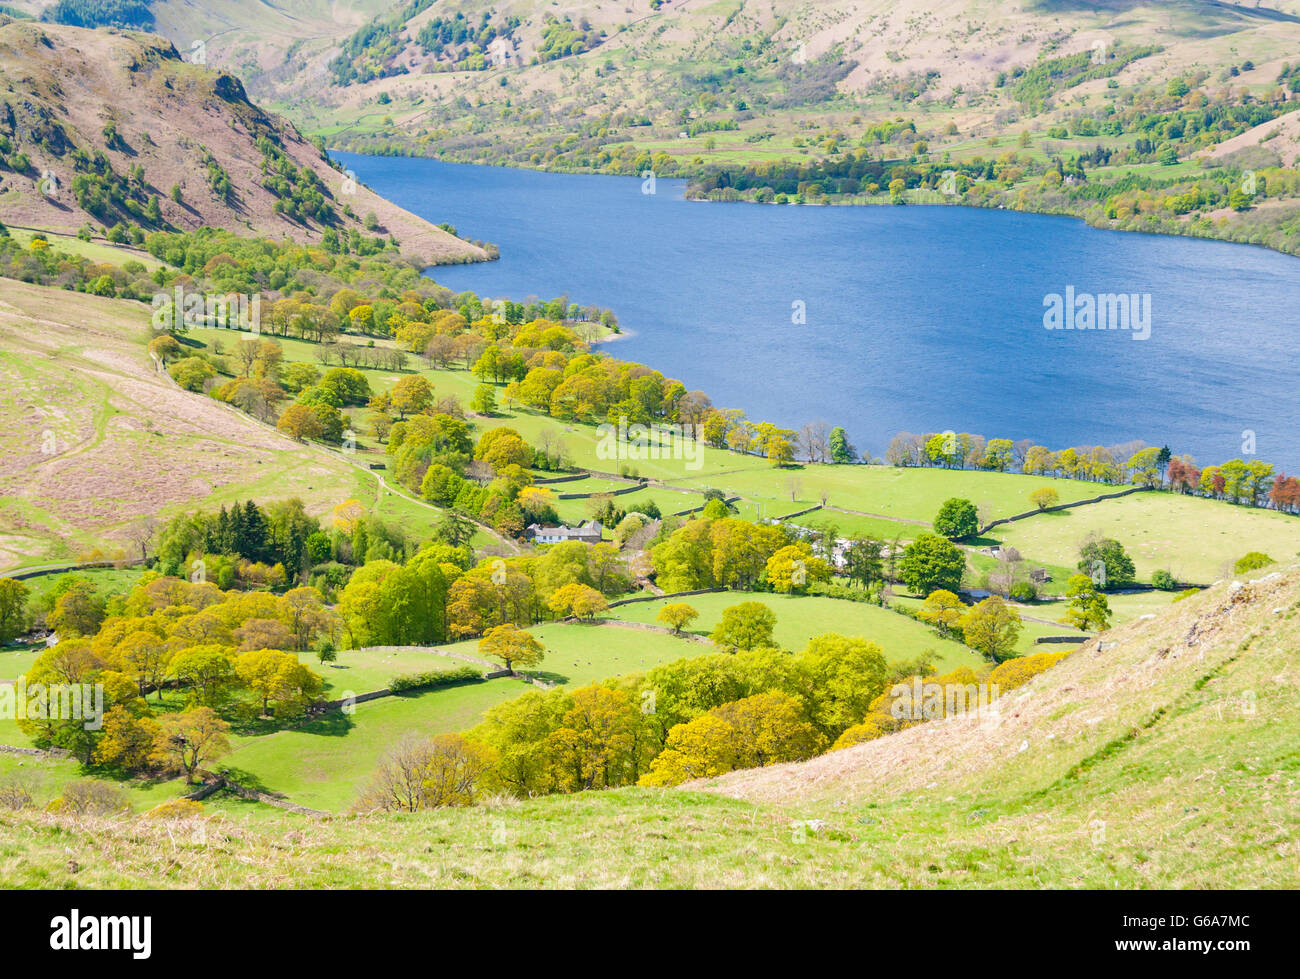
pixel 142 534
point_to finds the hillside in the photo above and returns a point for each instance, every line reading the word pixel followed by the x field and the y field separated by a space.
pixel 1163 755
pixel 1174 118
pixel 92 451
pixel 105 129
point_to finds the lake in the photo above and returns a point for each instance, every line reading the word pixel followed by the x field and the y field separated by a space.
pixel 888 319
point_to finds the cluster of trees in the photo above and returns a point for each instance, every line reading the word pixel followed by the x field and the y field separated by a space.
pixel 716 550
pixel 693 716
pixel 1251 482
pixel 990 627
pixel 963 450
pixel 953 693
pixel 281 544
pixel 441 593
pixel 233 655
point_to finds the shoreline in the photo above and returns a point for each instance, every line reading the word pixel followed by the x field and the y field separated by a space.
pixel 1112 225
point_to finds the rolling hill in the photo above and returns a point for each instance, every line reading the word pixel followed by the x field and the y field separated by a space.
pixel 106 128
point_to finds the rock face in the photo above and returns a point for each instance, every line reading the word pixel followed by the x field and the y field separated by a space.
pixel 101 127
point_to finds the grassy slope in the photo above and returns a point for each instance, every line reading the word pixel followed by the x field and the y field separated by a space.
pixel 170 114
pixel 1193 538
pixel 1166 760
pixel 74 366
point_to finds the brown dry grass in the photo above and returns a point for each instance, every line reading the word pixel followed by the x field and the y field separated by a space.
pixel 97 440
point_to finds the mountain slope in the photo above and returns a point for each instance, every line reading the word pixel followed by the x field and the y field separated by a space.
pixel 104 127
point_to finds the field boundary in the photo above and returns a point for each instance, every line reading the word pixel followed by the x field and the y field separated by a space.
pixel 1064 506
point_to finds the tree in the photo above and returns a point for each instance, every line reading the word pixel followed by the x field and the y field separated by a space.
pixel 752 732
pixel 992 628
pixel 794 567
pixel 862 560
pixel 209 669
pixel 842 450
pixel 929 563
pixel 1106 562
pixel 677 616
pixel 430 773
pixel 187 739
pixel 512 646
pixel 956 519
pixel 780 452
pixel 1088 608
pixel 942 609
pixel 127 741
pixel 577 599
pixel 13 608
pixel 1146 466
pixel 275 675
pixel 300 422
pixel 191 373
pixel 748 625
pixel 411 395
pixel 78 611
pixel 1044 498
pixel 484 401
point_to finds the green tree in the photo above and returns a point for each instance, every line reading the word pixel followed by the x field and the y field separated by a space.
pixel 748 625
pixel 512 646
pixel 942 609
pixel 1087 608
pixel 842 451
pixel 13 608
pixel 677 615
pixel 992 628
pixel 929 563
pixel 1106 562
pixel 957 519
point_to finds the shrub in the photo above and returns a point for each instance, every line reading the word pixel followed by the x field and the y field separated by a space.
pixel 1164 580
pixel 1252 562
pixel 88 797
pixel 1019 670
pixel 175 809
pixel 15 791
pixel 1024 591
pixel 434 678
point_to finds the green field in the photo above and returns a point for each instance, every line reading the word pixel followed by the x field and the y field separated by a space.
pixel 326 763
pixel 800 617
pixel 358 671
pixel 1196 539
pixel 581 653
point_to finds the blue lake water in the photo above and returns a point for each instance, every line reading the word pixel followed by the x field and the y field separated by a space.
pixel 916 318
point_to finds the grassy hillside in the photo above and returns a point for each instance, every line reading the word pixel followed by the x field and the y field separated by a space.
pixel 103 128
pixel 99 442
pixel 1162 756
